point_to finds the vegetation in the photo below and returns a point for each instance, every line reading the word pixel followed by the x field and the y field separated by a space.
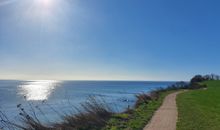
pixel 137 118
pixel 92 115
pixel 200 78
pixel 200 109
pixel 145 107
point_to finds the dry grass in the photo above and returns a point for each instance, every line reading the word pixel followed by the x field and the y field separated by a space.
pixel 91 115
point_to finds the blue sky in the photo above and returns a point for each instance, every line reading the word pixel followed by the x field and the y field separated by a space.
pixel 109 39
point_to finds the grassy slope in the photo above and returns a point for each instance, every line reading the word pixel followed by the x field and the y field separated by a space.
pixel 200 109
pixel 137 119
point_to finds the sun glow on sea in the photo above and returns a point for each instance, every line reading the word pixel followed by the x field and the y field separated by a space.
pixel 38 89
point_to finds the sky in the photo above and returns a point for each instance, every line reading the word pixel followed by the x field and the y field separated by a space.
pixel 109 39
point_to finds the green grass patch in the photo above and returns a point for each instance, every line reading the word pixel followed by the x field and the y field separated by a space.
pixel 137 118
pixel 200 109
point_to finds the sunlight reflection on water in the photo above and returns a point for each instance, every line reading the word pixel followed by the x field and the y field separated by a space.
pixel 37 89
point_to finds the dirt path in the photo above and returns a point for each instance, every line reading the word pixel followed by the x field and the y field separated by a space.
pixel 166 116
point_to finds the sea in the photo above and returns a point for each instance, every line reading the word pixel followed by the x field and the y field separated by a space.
pixel 51 99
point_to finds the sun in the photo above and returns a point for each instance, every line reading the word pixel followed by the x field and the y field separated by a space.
pixel 45 13
pixel 45 3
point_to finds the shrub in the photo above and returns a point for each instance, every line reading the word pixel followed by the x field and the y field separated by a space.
pixel 197 86
pixel 197 78
pixel 142 98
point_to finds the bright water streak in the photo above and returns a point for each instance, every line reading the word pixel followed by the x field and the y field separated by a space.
pixel 37 90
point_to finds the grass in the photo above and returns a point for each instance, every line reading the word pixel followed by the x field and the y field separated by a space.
pixel 137 118
pixel 91 115
pixel 146 105
pixel 200 109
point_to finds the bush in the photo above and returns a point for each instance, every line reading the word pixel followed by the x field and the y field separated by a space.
pixel 200 78
pixel 143 98
pixel 197 86
pixel 197 78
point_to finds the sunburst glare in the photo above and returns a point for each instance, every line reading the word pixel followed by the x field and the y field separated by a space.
pixel 44 14
pixel 45 3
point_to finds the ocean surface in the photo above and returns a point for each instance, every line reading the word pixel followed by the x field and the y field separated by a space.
pixel 50 99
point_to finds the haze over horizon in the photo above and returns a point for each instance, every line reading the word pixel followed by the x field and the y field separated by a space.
pixel 108 40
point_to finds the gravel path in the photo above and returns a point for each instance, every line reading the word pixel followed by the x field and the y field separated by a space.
pixel 166 116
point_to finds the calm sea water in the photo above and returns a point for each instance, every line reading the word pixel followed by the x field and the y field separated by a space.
pixel 63 95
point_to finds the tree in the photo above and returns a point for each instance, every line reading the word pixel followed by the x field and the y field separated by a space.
pixel 197 78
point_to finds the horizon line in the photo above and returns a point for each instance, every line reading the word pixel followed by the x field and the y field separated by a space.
pixel 135 80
